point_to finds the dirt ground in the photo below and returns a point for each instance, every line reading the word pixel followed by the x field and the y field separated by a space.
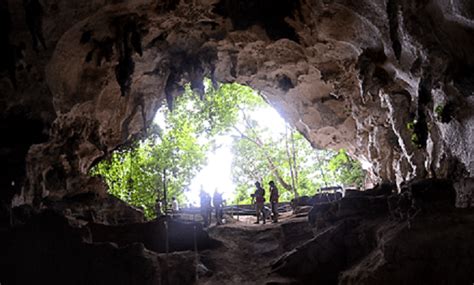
pixel 246 253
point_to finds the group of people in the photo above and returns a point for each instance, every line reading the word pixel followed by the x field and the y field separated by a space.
pixel 206 208
pixel 259 199
pixel 174 206
pixel 262 212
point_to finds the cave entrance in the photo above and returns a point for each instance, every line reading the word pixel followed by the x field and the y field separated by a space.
pixel 220 141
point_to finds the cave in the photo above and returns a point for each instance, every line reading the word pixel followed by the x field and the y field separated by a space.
pixel 390 81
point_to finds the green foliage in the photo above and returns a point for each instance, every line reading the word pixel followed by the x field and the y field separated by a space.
pixel 346 170
pixel 286 158
pixel 439 111
pixel 315 168
pixel 414 137
pixel 415 140
pixel 444 113
pixel 175 150
pixel 243 192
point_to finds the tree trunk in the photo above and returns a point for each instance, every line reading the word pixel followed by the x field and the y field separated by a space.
pixel 291 161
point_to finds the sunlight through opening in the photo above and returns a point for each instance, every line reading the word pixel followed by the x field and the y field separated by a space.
pixel 221 142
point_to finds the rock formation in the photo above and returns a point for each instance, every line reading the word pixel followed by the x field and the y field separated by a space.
pixel 418 237
pixel 390 80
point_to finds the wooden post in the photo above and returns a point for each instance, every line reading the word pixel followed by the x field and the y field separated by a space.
pixel 166 239
pixel 196 253
pixel 165 192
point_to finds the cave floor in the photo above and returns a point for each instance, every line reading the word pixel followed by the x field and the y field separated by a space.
pixel 247 251
pixel 384 250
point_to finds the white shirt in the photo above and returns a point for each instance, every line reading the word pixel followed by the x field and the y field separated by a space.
pixel 175 206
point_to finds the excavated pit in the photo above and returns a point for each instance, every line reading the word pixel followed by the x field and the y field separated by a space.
pixel 390 81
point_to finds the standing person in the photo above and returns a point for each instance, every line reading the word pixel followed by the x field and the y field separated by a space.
pixel 217 202
pixel 174 205
pixel 274 201
pixel 205 207
pixel 259 196
pixel 158 208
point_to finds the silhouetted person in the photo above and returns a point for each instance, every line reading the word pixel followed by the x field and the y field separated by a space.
pixel 274 195
pixel 217 202
pixel 34 21
pixel 205 207
pixel 259 196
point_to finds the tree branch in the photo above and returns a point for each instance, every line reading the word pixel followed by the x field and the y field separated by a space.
pixel 259 144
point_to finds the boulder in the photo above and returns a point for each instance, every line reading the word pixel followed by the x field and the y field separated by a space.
pixel 181 235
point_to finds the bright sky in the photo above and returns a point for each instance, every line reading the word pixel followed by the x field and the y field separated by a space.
pixel 216 174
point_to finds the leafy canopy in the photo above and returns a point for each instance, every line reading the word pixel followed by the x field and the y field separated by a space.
pixel 287 158
pixel 176 148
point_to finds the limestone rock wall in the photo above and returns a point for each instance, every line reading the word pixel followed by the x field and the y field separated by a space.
pixel 392 81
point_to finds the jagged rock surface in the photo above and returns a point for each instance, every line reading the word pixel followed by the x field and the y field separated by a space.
pixel 181 236
pixel 47 248
pixel 389 80
pixel 418 237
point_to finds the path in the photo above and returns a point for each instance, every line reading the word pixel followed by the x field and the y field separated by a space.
pixel 246 253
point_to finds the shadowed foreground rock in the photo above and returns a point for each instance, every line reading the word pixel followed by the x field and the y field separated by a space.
pixel 153 235
pixel 372 240
pixel 50 249
pixel 392 81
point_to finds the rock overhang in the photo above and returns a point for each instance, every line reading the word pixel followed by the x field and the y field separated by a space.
pixel 345 75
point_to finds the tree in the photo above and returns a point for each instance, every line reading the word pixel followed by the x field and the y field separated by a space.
pixel 286 157
pixel 347 171
pixel 175 150
pixel 261 155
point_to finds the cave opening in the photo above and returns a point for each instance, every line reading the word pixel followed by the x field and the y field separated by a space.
pixel 389 81
pixel 222 141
